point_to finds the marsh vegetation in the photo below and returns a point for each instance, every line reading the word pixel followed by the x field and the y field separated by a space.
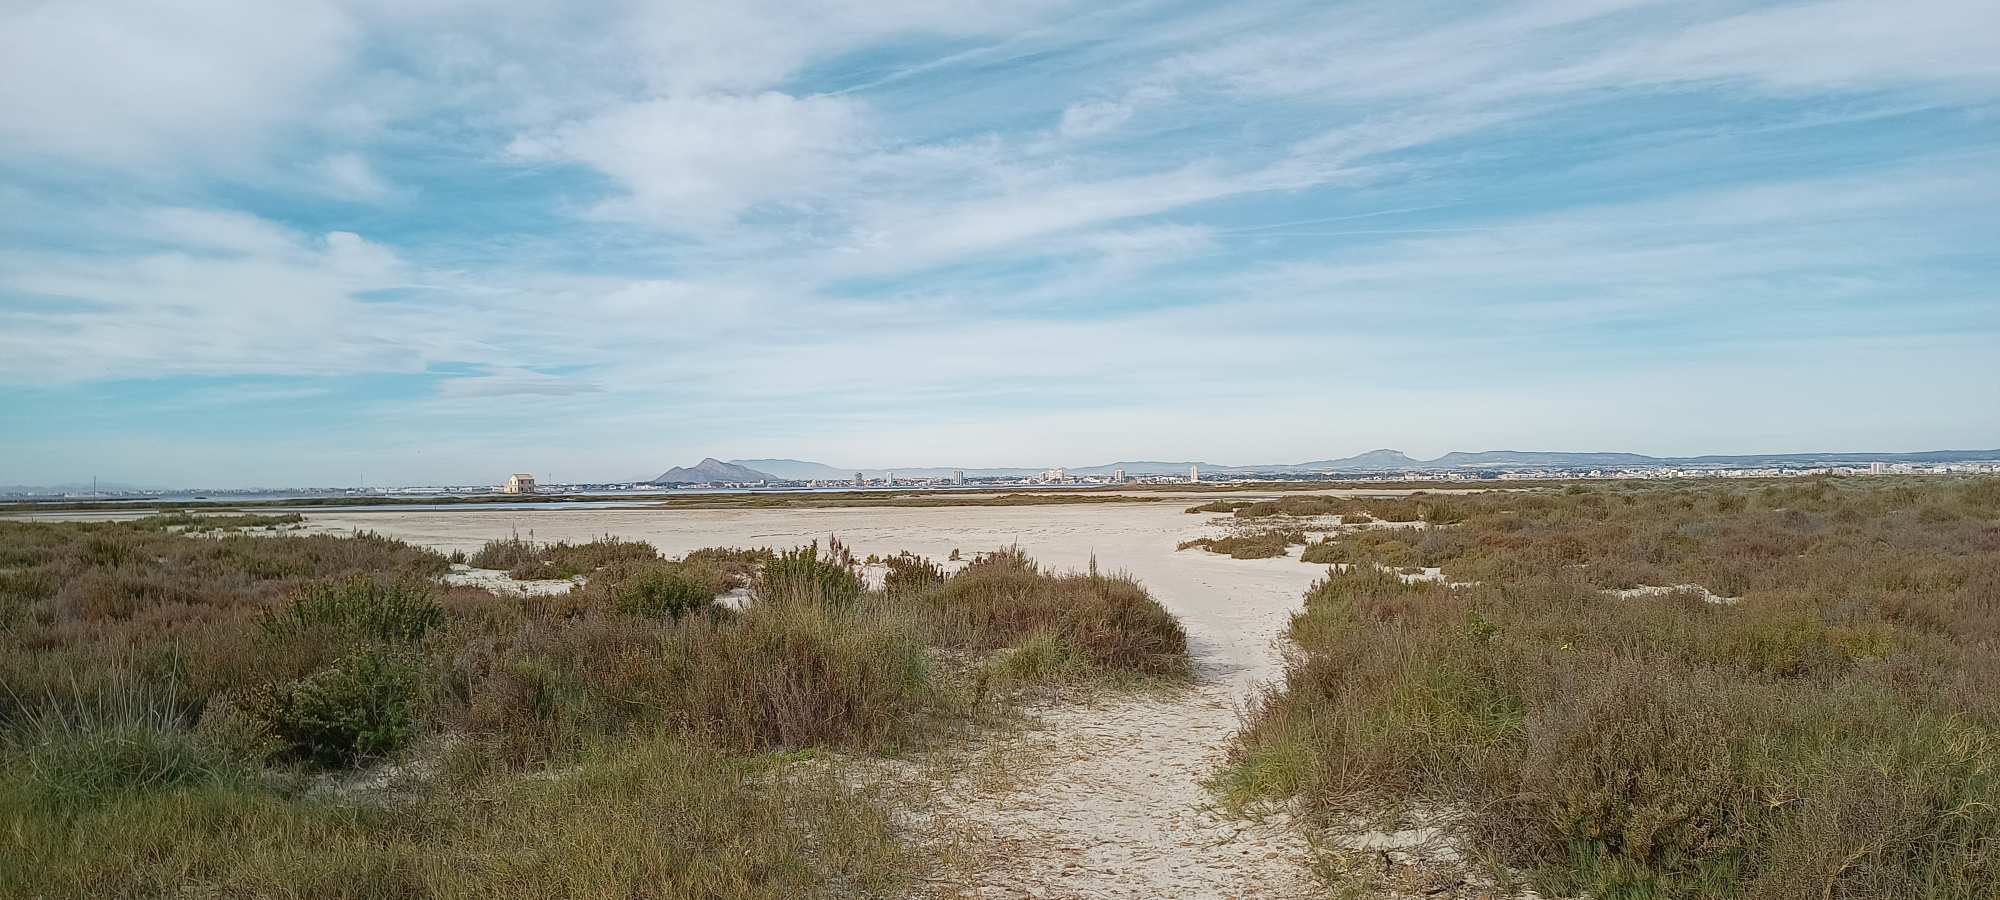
pixel 315 716
pixel 1832 731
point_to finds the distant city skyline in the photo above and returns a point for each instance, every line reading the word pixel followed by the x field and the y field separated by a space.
pixel 290 244
pixel 1375 463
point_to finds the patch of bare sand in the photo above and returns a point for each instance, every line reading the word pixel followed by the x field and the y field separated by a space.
pixel 499 582
pixel 1104 800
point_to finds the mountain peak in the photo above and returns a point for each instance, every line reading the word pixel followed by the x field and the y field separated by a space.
pixel 711 470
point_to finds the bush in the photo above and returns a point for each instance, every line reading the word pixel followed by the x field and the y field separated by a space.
pixel 1259 544
pixel 272 654
pixel 525 559
pixel 369 610
pixel 910 573
pixel 506 554
pixel 660 591
pixel 803 574
pixel 792 674
pixel 1003 598
pixel 1826 732
pixel 1042 658
pixel 360 708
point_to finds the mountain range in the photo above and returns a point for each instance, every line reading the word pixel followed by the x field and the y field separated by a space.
pixel 1373 461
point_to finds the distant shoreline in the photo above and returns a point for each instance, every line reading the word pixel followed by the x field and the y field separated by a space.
pixel 769 499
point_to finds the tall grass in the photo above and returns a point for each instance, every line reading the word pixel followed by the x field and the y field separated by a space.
pixel 526 559
pixel 1832 733
pixel 182 715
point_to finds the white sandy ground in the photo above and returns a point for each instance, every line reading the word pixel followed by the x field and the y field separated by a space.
pixel 499 582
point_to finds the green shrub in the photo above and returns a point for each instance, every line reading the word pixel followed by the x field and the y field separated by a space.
pixel 910 573
pixel 1003 598
pixel 399 612
pixel 1042 658
pixel 791 674
pixel 507 554
pixel 802 573
pixel 360 708
pixel 1441 512
pixel 660 591
pixel 1263 543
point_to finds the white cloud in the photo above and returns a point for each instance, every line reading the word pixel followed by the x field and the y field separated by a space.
pixel 351 176
pixel 1092 118
pixel 705 160
pixel 1554 48
pixel 213 230
pixel 692 48
pixel 517 382
pixel 1837 45
pixel 132 83
pixel 225 293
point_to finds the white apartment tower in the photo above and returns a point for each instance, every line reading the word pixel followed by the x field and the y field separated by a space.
pixel 1194 476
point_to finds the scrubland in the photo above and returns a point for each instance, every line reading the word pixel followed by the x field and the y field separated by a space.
pixel 233 714
pixel 1821 720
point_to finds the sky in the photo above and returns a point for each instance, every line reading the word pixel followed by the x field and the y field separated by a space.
pixel 437 241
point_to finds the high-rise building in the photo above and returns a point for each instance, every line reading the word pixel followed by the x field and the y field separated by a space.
pixel 1118 476
pixel 958 476
pixel 889 478
pixel 858 480
pixel 1194 475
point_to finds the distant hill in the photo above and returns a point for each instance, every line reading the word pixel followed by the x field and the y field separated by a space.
pixel 795 469
pixel 712 470
pixel 1504 458
pixel 1373 461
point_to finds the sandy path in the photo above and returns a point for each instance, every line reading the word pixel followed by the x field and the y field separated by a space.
pixel 1111 802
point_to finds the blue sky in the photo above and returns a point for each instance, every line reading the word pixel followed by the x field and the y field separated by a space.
pixel 431 240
